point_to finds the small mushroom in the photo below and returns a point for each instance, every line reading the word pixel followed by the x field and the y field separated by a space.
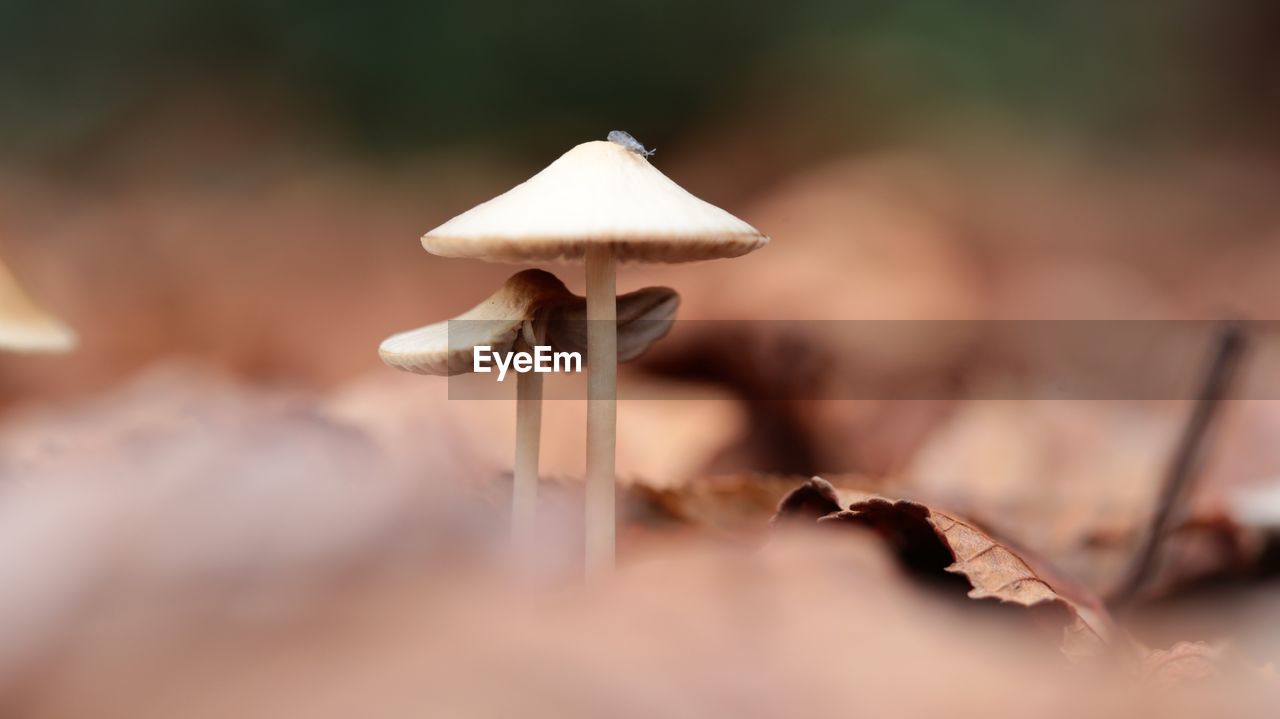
pixel 446 348
pixel 530 308
pixel 644 317
pixel 24 326
pixel 602 202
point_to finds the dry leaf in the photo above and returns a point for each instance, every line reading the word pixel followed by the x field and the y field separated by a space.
pixel 1184 662
pixel 1097 469
pixel 736 503
pixel 728 503
pixel 930 540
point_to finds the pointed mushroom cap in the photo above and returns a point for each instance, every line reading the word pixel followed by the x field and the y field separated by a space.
pixel 596 193
pixel 446 348
pixel 24 326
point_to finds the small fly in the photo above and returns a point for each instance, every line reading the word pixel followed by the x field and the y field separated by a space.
pixel 625 139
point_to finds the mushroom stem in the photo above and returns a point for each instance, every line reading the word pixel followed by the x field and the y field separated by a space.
pixel 524 488
pixel 602 394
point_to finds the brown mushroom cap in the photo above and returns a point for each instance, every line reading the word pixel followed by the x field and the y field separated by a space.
pixel 596 193
pixel 24 326
pixel 446 348
pixel 644 317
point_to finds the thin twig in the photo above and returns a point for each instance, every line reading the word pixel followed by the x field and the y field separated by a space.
pixel 1229 347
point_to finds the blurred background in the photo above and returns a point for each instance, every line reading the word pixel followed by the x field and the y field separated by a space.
pixel 224 199
pixel 225 179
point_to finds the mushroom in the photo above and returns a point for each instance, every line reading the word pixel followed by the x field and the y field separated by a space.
pixel 24 326
pixel 530 308
pixel 601 202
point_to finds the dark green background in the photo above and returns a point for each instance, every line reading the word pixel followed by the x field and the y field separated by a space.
pixel 401 74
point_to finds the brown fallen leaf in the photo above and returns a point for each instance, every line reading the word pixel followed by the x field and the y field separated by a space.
pixel 1183 663
pixel 1096 465
pixel 1097 469
pixel 932 541
pixel 1190 664
pixel 737 504
pixel 731 503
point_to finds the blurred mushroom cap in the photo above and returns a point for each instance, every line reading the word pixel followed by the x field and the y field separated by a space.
pixel 24 326
pixel 598 193
pixel 532 302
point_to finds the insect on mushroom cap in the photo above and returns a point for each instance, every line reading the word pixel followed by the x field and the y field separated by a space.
pixel 621 137
pixel 598 193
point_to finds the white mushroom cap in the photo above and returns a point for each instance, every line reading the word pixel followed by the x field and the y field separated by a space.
pixel 24 326
pixel 530 302
pixel 445 348
pixel 596 193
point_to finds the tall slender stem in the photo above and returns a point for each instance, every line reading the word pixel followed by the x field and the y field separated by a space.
pixel 602 410
pixel 524 489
